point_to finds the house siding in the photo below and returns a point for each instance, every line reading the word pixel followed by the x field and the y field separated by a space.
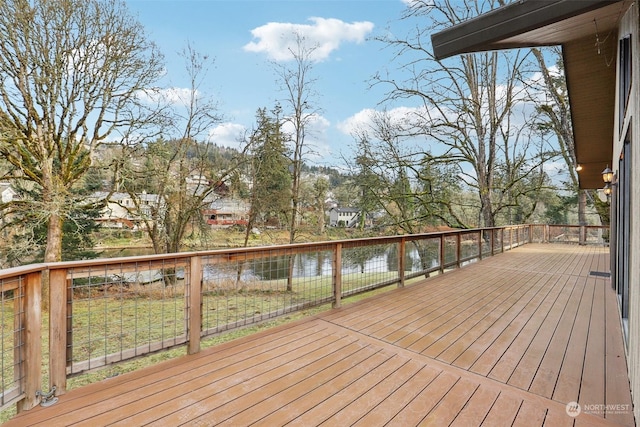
pixel 630 25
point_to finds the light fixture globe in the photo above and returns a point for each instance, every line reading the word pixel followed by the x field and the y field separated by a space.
pixel 607 175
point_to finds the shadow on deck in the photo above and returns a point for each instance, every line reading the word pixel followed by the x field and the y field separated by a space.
pixel 511 340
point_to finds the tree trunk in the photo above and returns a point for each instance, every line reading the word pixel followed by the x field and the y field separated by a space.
pixel 582 207
pixel 486 209
pixel 52 253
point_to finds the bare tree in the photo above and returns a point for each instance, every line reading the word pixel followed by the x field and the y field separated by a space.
pixel 320 188
pixel 298 86
pixel 71 76
pixel 555 114
pixel 401 180
pixel 299 104
pixel 179 175
pixel 469 107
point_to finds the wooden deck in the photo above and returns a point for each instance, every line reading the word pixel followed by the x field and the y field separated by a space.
pixel 507 341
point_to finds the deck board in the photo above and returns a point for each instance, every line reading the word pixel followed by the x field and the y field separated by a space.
pixel 615 362
pixel 592 387
pixel 525 318
pixel 530 414
pixel 567 389
pixel 476 408
pixel 506 341
pixel 527 368
pixel 504 411
pixel 389 408
pixel 544 382
pixel 462 329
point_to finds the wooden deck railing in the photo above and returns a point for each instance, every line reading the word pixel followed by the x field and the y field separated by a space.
pixel 106 311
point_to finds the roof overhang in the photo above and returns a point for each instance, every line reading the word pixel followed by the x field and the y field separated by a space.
pixel 583 30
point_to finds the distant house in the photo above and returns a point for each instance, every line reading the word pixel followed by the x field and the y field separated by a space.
pixel 226 212
pixel 122 211
pixel 7 193
pixel 344 217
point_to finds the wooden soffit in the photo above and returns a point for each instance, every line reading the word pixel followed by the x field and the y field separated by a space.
pixel 587 32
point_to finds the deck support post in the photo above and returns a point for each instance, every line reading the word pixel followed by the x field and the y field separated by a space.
pixel 492 241
pixel 32 340
pixel 402 248
pixel 337 276
pixel 194 305
pixel 58 330
pixel 583 235
pixel 442 253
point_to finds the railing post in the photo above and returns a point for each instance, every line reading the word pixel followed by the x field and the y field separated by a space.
pixel 442 253
pixel 32 339
pixel 502 240
pixel 58 330
pixel 195 304
pixel 492 241
pixel 582 239
pixel 480 238
pixel 337 276
pixel 458 249
pixel 401 262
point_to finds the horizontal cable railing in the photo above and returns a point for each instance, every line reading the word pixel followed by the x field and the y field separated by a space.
pixel 106 311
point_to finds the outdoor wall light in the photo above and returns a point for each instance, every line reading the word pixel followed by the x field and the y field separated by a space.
pixel 607 177
pixel 578 168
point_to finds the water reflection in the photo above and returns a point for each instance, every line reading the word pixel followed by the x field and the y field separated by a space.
pixel 419 256
pixel 372 259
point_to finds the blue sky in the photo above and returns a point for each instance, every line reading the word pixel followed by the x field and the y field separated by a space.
pixel 244 35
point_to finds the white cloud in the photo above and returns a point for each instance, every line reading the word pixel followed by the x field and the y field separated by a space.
pixel 315 124
pixel 363 119
pixel 228 135
pixel 174 95
pixel 323 35
pixel 317 146
pixel 418 3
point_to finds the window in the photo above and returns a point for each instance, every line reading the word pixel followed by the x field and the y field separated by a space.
pixel 624 78
pixel 622 212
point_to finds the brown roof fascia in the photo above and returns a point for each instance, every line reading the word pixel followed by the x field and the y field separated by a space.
pixel 486 31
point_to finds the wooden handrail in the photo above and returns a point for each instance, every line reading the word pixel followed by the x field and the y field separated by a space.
pixel 62 277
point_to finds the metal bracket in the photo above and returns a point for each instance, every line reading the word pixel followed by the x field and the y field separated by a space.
pixel 48 398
